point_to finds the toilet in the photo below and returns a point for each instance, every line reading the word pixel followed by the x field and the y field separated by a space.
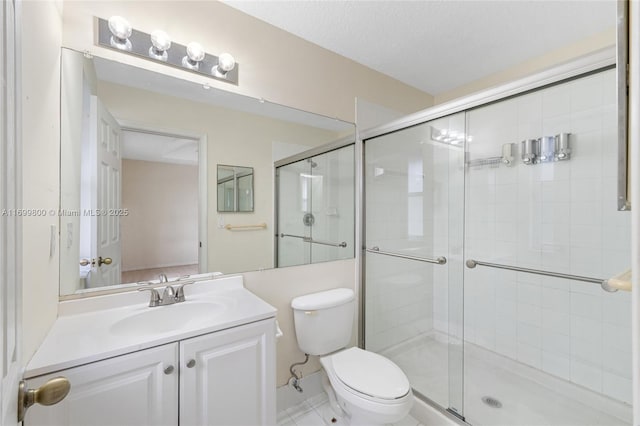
pixel 364 388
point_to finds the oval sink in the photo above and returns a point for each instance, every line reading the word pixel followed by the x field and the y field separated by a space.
pixel 163 319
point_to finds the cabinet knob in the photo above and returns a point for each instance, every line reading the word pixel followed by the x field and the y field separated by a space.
pixel 191 363
pixel 168 370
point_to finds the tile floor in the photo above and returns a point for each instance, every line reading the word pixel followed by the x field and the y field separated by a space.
pixel 310 413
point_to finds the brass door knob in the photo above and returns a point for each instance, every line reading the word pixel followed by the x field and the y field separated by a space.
pixel 50 393
pixel 106 261
pixel 85 262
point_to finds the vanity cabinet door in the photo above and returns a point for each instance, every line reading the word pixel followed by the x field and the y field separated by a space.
pixel 135 389
pixel 228 377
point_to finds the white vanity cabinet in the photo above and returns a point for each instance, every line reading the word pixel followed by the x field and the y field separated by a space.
pixel 140 388
pixel 228 378
pixel 224 378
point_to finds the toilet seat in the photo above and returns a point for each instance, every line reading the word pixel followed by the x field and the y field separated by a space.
pixel 368 375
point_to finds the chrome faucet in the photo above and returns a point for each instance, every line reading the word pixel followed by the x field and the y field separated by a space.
pixel 163 277
pixel 170 295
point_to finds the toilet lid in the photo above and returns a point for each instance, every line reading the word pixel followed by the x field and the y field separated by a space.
pixel 370 374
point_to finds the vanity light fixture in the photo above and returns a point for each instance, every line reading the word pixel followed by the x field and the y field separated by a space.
pixel 195 54
pixel 160 43
pixel 117 33
pixel 120 30
pixel 226 62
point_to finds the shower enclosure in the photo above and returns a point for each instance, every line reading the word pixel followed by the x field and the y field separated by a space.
pixel 315 202
pixel 488 234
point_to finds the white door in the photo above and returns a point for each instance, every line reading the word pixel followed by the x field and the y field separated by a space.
pixel 106 137
pixel 10 297
pixel 138 389
pixel 228 378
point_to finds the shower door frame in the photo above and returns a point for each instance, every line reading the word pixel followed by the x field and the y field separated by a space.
pixel 589 64
pixel 304 155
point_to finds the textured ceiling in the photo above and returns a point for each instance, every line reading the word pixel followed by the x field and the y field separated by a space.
pixel 432 45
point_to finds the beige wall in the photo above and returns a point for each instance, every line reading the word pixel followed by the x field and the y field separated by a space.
pixel 233 138
pixel 274 65
pixel 40 167
pixel 279 286
pixel 161 228
pixel 603 40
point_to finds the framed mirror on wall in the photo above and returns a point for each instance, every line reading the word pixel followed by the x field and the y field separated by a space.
pixel 140 152
pixel 235 188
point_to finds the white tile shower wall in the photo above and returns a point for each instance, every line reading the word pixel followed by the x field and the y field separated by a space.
pixel 557 216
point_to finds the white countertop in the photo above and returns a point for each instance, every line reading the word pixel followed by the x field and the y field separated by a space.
pixel 83 331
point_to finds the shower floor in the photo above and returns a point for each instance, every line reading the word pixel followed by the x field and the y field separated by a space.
pixel 529 397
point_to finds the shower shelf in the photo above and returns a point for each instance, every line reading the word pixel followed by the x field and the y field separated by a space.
pixel 438 261
pixel 471 263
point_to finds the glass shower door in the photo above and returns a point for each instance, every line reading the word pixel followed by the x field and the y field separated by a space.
pixel 333 205
pixel 316 207
pixel 294 213
pixel 544 344
pixel 414 195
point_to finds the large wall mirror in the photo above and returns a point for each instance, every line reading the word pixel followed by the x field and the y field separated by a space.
pixel 140 179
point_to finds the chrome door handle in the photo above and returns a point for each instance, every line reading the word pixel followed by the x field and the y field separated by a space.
pixel 168 370
pixel 191 363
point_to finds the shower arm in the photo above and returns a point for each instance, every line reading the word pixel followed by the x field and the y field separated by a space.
pixel 438 260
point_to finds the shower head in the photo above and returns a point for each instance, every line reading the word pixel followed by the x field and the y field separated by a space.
pixel 313 163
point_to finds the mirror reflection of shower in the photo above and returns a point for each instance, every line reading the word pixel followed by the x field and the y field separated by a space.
pixel 315 215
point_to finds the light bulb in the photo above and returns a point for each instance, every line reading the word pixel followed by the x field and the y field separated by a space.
pixel 195 54
pixel 160 43
pixel 226 63
pixel 121 30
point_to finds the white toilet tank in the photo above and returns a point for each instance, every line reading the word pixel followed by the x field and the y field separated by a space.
pixel 324 320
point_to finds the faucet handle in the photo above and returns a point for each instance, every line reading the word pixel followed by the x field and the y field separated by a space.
pixel 155 296
pixel 180 291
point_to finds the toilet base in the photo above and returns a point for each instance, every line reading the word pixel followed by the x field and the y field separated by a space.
pixel 340 413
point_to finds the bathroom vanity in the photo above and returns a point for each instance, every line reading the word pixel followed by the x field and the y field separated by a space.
pixel 207 361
